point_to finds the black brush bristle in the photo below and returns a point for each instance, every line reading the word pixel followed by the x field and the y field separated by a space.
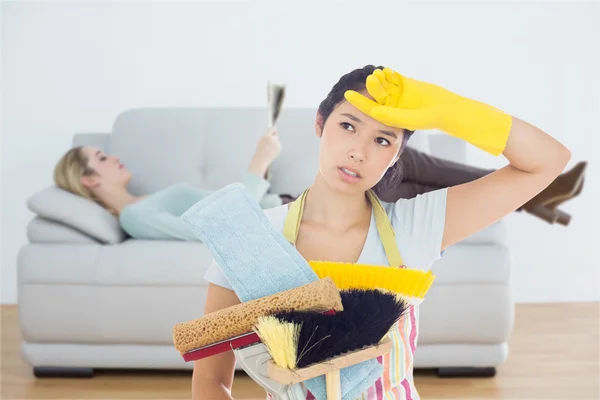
pixel 368 315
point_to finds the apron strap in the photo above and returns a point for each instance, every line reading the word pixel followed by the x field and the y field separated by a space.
pixel 386 231
pixel 291 226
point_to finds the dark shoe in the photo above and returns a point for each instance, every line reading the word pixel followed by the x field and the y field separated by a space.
pixel 545 213
pixel 550 212
pixel 562 188
pixel 562 217
pixel 555 204
pixel 566 186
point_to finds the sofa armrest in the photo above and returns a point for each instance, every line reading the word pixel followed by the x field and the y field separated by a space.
pixel 42 230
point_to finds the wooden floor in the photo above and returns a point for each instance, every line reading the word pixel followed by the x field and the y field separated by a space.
pixel 554 355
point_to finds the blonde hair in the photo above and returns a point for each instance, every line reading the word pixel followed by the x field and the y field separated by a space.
pixel 69 170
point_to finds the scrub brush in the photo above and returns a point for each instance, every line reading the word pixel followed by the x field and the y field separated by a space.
pixel 411 284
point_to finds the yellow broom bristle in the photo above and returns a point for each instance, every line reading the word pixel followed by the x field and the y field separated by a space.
pixel 280 338
pixel 408 282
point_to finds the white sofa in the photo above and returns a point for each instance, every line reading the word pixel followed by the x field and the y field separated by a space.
pixel 89 297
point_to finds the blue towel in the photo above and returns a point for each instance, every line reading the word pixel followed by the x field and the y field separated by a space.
pixel 258 261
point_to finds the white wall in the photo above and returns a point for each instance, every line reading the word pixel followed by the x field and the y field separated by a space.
pixel 70 67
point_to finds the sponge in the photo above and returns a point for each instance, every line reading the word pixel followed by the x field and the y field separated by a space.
pixel 319 296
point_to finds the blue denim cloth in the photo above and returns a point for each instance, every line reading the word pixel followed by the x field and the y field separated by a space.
pixel 258 261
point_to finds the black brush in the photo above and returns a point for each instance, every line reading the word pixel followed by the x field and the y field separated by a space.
pixel 299 339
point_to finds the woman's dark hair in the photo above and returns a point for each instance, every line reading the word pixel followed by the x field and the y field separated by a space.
pixel 356 80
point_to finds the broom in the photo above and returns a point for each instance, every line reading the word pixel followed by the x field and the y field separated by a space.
pixel 411 284
pixel 304 345
pixel 308 331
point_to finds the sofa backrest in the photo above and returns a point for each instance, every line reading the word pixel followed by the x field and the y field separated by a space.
pixel 211 147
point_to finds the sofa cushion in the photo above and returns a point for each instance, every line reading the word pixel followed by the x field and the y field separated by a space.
pixel 474 279
pixel 56 204
pixel 132 292
pixel 135 292
pixel 133 262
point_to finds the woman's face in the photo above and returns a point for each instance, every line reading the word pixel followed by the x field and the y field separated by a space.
pixel 109 171
pixel 356 150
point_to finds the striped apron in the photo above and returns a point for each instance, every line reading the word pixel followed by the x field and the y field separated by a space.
pixel 396 382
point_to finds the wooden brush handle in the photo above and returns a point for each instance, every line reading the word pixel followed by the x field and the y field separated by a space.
pixel 333 385
pixel 332 366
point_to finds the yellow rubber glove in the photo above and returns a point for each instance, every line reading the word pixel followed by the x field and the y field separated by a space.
pixel 407 103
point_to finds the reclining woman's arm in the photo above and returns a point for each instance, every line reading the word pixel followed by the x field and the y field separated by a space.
pixel 158 216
